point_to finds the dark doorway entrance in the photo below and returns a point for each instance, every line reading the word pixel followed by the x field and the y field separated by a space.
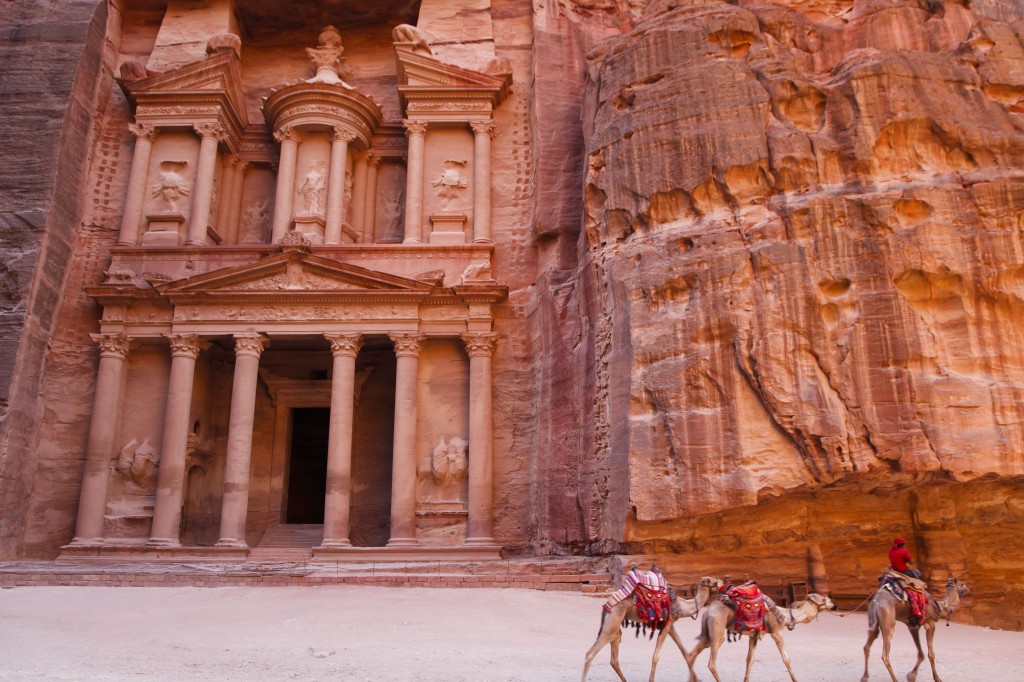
pixel 307 473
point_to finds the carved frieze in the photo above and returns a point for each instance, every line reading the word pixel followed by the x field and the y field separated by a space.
pixel 287 313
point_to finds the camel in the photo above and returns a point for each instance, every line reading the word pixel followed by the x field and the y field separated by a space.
pixel 883 612
pixel 719 617
pixel 611 625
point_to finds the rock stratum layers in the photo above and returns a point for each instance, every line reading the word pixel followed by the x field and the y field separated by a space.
pixel 768 258
pixel 806 223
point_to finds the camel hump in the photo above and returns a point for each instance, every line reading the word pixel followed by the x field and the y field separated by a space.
pixel 905 581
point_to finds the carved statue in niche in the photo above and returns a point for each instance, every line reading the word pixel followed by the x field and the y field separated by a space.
pixel 137 463
pixel 254 219
pixel 450 183
pixel 348 196
pixel 393 214
pixel 448 464
pixel 313 193
pixel 171 188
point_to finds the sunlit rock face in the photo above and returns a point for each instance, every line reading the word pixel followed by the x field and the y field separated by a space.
pixel 805 220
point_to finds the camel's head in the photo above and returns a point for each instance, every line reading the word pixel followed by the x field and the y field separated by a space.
pixel 714 584
pixel 959 585
pixel 823 602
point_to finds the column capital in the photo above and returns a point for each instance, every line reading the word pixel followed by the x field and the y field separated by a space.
pixel 414 127
pixel 239 164
pixel 373 159
pixel 142 130
pixel 483 127
pixel 250 344
pixel 407 344
pixel 112 345
pixel 343 135
pixel 479 343
pixel 345 344
pixel 184 345
pixel 285 134
pixel 214 130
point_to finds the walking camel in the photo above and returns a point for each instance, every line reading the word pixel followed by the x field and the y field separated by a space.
pixel 611 625
pixel 883 612
pixel 720 617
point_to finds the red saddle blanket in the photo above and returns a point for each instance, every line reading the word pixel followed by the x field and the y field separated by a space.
pixel 917 600
pixel 653 607
pixel 749 604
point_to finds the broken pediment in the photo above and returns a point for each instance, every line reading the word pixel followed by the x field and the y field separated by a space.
pixel 422 76
pixel 296 271
pixel 207 89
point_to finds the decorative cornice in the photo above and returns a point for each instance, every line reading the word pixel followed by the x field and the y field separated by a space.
pixel 183 345
pixel 479 344
pixel 407 344
pixel 347 345
pixel 250 344
pixel 414 127
pixel 112 345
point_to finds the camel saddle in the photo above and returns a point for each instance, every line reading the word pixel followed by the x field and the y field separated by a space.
pixel 653 609
pixel 749 604
pixel 908 589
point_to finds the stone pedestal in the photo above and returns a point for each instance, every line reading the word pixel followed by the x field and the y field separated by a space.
pixel 164 229
pixel 448 228
pixel 312 226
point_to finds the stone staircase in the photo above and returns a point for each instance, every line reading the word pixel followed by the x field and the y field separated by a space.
pixel 288 543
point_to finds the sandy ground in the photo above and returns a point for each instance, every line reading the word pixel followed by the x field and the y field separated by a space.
pixel 343 633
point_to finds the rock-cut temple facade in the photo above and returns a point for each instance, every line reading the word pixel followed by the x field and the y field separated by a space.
pixel 732 286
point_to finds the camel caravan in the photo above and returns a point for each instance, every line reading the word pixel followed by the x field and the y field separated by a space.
pixel 647 604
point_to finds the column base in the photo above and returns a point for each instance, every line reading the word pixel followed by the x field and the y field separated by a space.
pixel 477 542
pixel 335 543
pixel 194 242
pixel 162 543
pixel 412 241
pixel 231 543
pixel 482 241
pixel 403 542
pixel 84 542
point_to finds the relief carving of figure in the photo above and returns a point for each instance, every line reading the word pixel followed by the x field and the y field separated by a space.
pixel 171 188
pixel 137 463
pixel 450 183
pixel 254 219
pixel 448 464
pixel 313 193
pixel 392 214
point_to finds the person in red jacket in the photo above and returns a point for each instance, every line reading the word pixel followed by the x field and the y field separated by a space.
pixel 900 559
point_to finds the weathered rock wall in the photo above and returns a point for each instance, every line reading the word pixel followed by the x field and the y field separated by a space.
pixel 806 224
pixel 51 60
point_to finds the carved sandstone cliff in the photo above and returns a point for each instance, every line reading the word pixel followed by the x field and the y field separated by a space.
pixel 806 224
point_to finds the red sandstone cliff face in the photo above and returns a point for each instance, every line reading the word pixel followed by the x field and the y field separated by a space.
pixel 805 221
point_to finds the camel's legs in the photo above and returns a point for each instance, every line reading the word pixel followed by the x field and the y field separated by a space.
pixel 615 656
pixel 716 641
pixel 691 657
pixel 751 647
pixel 888 627
pixel 777 636
pixel 916 634
pixel 662 634
pixel 610 630
pixel 929 634
pixel 679 643
pixel 872 635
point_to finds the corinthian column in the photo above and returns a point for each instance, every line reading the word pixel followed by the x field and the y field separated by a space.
pixel 370 206
pixel 106 407
pixel 133 201
pixel 480 348
pixel 230 232
pixel 199 221
pixel 403 472
pixel 171 478
pixel 235 503
pixel 359 194
pixel 482 132
pixel 338 500
pixel 285 195
pixel 229 177
pixel 416 132
pixel 336 186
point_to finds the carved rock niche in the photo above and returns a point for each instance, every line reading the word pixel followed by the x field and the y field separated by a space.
pixel 448 176
pixel 169 188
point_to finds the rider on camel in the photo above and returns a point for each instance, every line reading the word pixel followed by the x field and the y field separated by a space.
pixel 900 559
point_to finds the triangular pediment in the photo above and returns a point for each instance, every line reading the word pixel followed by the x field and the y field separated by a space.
pixel 292 271
pixel 219 73
pixel 422 73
